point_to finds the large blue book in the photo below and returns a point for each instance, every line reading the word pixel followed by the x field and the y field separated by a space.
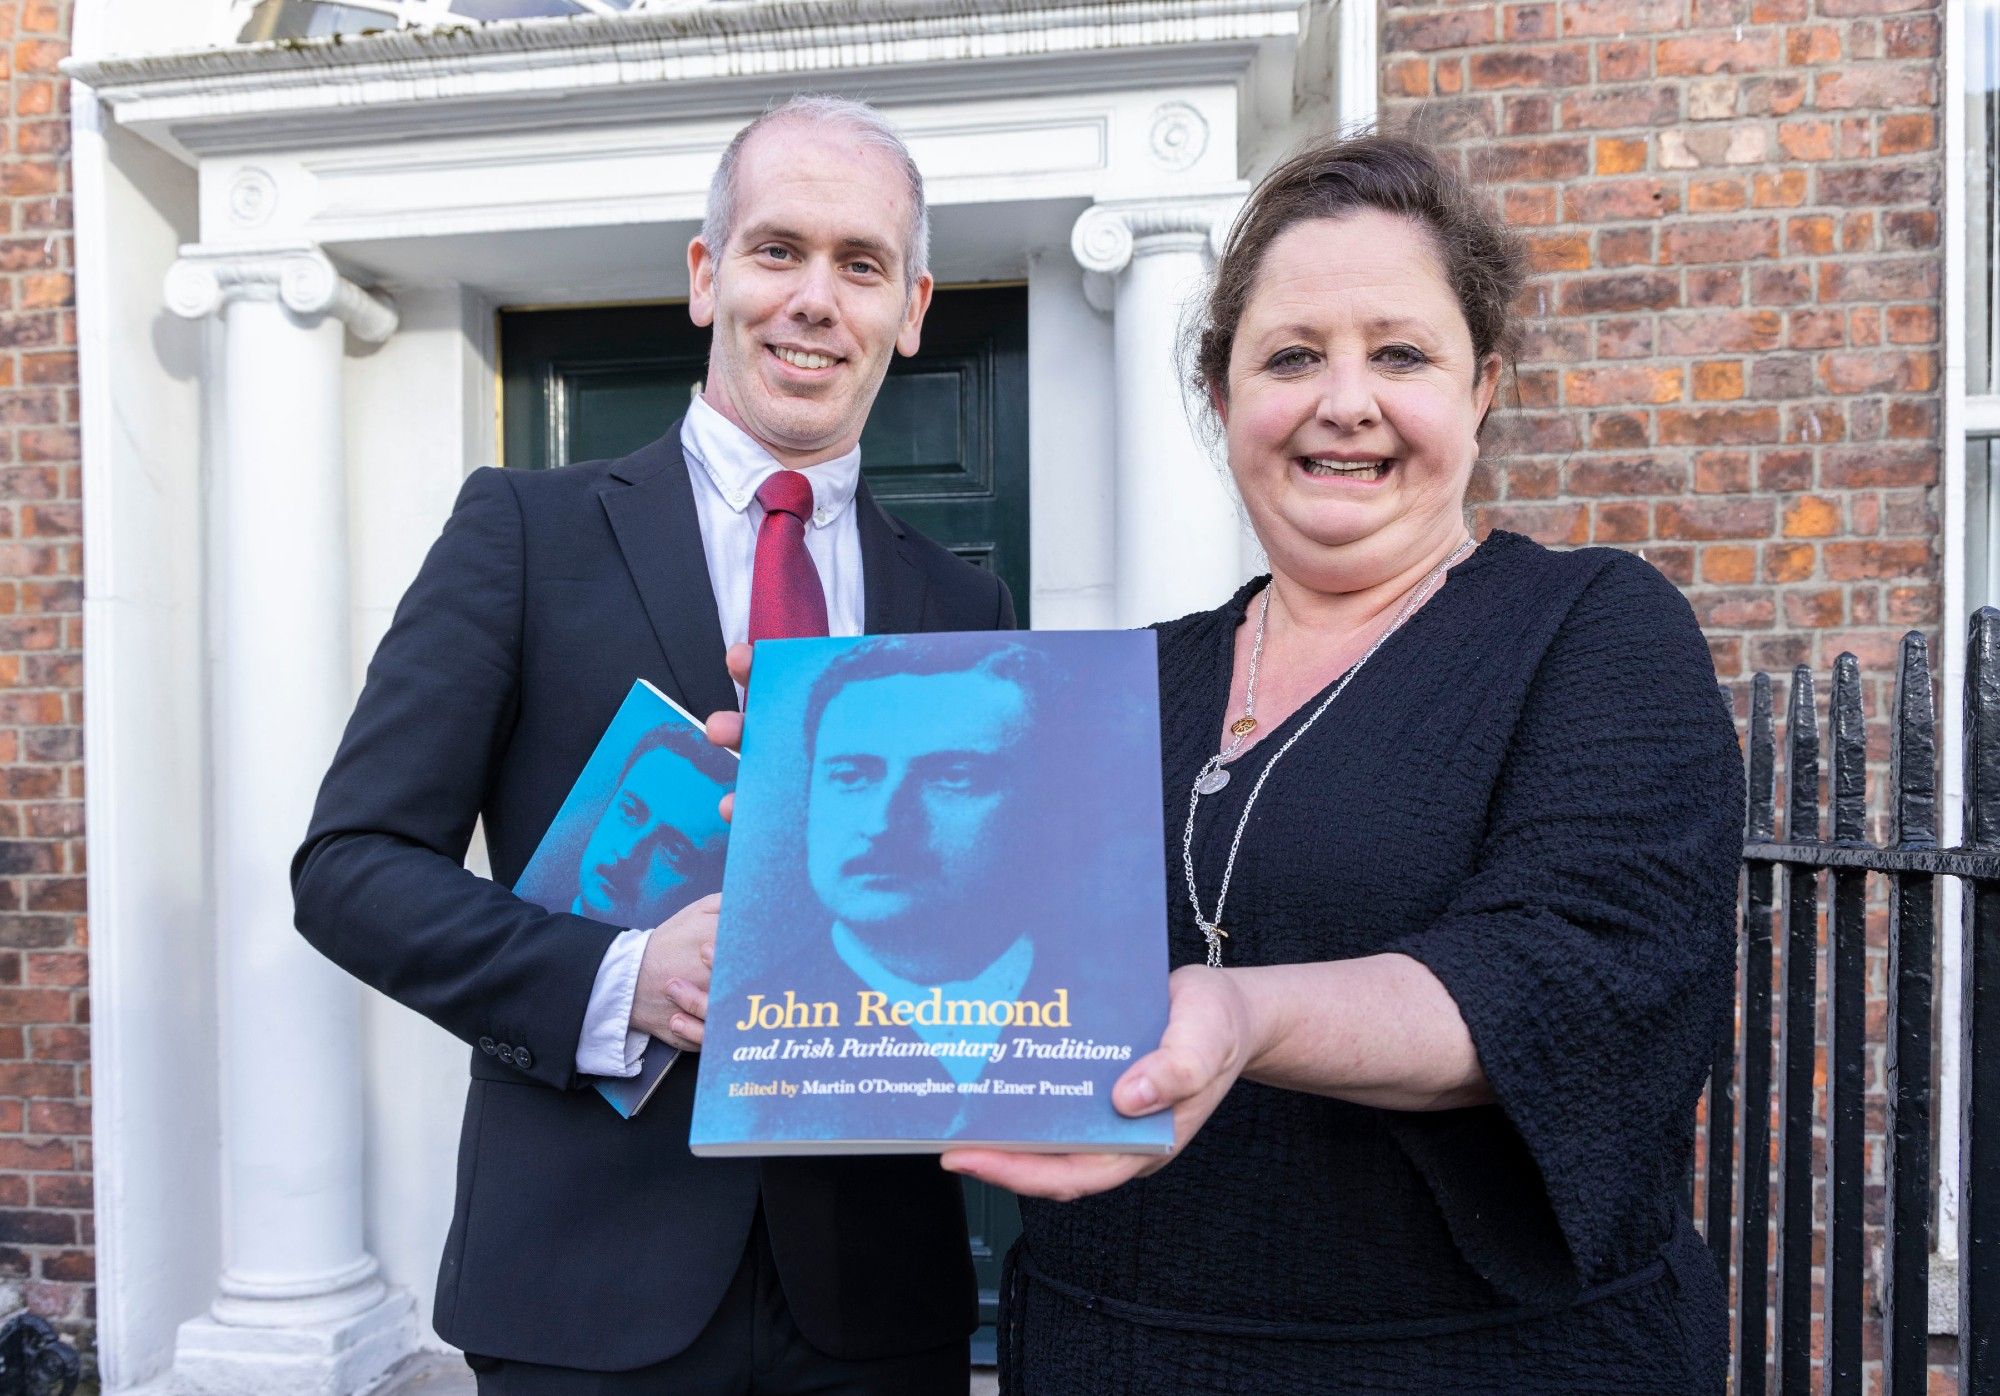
pixel 944 917
pixel 639 836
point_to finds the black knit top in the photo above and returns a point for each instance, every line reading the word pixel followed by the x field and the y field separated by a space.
pixel 1534 788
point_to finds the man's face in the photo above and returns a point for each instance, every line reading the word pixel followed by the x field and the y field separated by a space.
pixel 809 299
pixel 660 832
pixel 913 823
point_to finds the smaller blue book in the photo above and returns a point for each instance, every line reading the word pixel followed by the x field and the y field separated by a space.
pixel 944 922
pixel 638 837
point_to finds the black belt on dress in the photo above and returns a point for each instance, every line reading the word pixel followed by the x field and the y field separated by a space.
pixel 1017 1271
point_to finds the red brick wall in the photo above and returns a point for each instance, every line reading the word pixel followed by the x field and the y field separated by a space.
pixel 1734 353
pixel 1734 367
pixel 45 1179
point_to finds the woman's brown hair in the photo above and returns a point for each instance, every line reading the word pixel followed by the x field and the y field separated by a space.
pixel 1481 260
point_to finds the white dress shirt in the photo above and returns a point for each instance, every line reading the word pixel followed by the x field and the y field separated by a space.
pixel 726 467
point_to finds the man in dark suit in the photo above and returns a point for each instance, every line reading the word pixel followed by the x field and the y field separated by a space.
pixel 583 1243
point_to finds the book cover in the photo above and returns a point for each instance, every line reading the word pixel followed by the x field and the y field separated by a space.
pixel 638 837
pixel 944 917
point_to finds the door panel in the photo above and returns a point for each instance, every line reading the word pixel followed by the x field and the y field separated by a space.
pixel 945 448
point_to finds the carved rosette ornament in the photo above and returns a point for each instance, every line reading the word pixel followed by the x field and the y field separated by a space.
pixel 253 197
pixel 1179 136
pixel 303 279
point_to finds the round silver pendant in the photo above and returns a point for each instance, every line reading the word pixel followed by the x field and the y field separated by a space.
pixel 1213 781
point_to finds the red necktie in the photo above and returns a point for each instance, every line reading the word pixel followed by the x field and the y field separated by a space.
pixel 786 601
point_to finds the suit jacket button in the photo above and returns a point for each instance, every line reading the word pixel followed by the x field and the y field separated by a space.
pixel 522 1059
pixel 486 1046
pixel 505 1053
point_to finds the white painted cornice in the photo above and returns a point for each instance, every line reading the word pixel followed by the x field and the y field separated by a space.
pixel 696 58
pixel 303 278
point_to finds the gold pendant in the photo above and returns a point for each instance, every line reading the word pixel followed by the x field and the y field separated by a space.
pixel 1243 726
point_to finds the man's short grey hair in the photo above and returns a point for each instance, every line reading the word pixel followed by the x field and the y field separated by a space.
pixel 869 127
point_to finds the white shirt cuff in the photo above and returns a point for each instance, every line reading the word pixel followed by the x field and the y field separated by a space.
pixel 608 1046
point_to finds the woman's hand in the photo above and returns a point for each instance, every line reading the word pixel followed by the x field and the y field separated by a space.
pixel 726 729
pixel 1208 1040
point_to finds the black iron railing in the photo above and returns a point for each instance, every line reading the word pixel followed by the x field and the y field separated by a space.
pixel 34 1361
pixel 1774 1345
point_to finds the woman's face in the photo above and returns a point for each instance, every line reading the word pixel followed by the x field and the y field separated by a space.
pixel 1353 399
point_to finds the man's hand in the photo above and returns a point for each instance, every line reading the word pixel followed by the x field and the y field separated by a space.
pixel 726 729
pixel 1204 1049
pixel 670 1000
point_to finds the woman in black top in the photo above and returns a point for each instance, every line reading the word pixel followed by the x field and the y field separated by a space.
pixel 1433 1102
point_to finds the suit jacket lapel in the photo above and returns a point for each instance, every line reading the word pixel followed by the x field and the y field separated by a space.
pixel 652 512
pixel 892 585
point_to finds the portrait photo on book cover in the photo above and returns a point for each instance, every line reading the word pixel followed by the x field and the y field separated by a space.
pixel 945 846
pixel 641 834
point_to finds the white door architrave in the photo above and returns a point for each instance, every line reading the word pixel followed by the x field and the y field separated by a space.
pixel 1093 148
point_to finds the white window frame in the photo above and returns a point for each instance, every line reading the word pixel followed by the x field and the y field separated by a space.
pixel 1971 541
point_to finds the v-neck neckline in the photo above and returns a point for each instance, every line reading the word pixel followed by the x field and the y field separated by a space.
pixel 1238 613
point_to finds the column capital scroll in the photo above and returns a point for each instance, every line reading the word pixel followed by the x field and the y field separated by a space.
pixel 1106 235
pixel 301 277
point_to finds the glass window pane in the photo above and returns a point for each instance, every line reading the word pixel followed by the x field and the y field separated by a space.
pixel 511 9
pixel 1982 148
pixel 312 19
pixel 1980 498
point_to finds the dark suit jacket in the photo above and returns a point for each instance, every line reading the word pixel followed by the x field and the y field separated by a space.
pixel 581 1239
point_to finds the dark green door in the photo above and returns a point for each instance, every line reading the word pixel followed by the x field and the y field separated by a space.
pixel 946 449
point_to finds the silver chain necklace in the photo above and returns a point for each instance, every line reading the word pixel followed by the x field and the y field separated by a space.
pixel 1213 777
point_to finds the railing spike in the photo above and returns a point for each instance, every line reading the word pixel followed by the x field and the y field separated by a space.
pixel 1982 729
pixel 1913 753
pixel 1802 760
pixel 1763 760
pixel 1850 753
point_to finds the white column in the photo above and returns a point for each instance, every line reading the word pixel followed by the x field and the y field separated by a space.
pixel 1177 532
pixel 300 1307
pixel 1357 74
pixel 1072 450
